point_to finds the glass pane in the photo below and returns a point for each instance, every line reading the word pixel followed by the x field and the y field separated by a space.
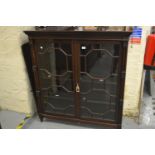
pixel 98 79
pixel 56 80
pixel 56 100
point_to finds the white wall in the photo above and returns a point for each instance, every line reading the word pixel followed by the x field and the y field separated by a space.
pixel 134 74
pixel 15 90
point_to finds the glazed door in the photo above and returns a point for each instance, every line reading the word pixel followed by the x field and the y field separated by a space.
pixel 99 75
pixel 56 76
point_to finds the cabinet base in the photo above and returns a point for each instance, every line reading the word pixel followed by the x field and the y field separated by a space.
pixel 100 123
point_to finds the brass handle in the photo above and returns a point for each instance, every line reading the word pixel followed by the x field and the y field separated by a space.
pixel 77 88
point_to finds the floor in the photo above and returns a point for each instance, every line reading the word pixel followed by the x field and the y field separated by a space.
pixel 9 120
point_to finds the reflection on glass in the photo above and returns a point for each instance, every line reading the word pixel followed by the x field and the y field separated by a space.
pixel 55 70
pixel 98 78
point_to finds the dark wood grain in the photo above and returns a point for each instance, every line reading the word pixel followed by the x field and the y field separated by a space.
pixel 76 120
pixel 75 38
pixel 80 35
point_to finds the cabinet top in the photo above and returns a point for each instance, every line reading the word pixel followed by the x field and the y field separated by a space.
pixel 90 35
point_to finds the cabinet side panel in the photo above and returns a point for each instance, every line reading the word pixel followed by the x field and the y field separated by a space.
pixel 36 77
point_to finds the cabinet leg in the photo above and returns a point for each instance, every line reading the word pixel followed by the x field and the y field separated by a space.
pixel 119 126
pixel 41 118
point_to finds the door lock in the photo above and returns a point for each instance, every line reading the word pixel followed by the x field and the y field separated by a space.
pixel 77 88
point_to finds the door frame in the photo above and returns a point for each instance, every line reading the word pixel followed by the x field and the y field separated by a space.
pixel 38 80
pixel 75 49
pixel 120 79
